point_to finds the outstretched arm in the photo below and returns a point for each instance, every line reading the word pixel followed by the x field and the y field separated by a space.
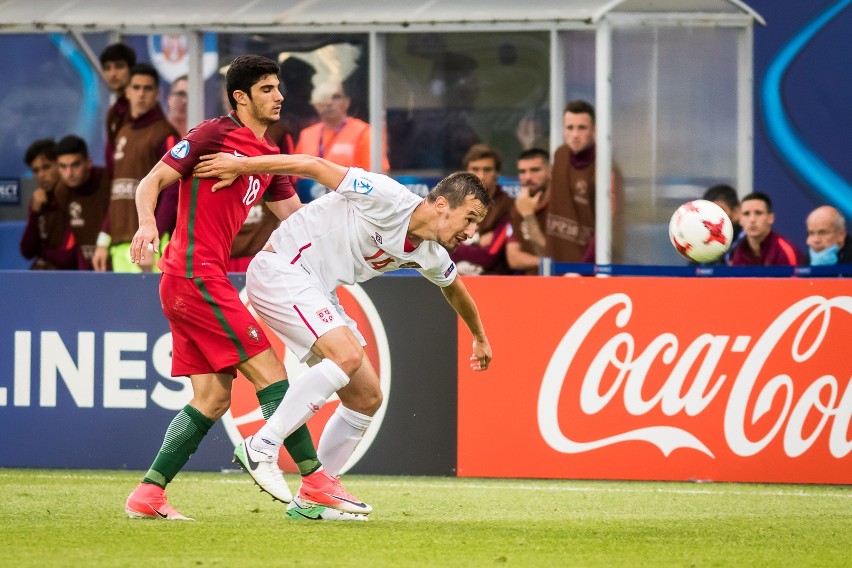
pixel 285 207
pixel 227 167
pixel 462 302
pixel 149 188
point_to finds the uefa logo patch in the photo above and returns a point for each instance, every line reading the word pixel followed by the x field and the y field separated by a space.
pixel 449 270
pixel 180 150
pixel 362 186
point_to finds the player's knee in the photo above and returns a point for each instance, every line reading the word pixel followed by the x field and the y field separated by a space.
pixel 373 402
pixel 362 397
pixel 213 407
pixel 349 360
pixel 369 400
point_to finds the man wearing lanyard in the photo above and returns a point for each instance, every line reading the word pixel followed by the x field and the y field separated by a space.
pixel 339 138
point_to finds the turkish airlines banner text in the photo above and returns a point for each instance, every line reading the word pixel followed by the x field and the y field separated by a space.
pixel 667 379
pixel 85 376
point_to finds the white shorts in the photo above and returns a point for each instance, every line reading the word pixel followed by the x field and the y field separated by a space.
pixel 293 303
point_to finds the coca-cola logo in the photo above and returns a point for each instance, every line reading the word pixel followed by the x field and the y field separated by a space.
pixel 244 416
pixel 664 387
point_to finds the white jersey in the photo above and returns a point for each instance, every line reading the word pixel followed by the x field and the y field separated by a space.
pixel 358 232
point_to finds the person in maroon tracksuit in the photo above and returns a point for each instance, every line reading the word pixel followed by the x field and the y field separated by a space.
pixel 760 245
pixel 47 238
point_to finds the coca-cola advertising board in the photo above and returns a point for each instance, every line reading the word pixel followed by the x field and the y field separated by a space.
pixel 660 379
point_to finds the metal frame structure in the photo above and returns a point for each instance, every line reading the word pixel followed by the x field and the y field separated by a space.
pixel 377 19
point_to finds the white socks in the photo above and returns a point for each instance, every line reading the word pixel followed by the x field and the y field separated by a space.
pixel 303 399
pixel 340 437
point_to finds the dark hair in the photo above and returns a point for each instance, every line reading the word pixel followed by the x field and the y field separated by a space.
pixel 118 52
pixel 45 147
pixel 245 71
pixel 722 192
pixel 72 144
pixel 757 195
pixel 145 69
pixel 481 152
pixel 456 187
pixel 580 107
pixel 535 153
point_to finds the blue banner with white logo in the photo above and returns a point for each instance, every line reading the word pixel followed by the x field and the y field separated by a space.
pixel 85 375
pixel 10 191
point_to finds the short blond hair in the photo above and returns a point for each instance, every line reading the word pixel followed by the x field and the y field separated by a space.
pixel 325 91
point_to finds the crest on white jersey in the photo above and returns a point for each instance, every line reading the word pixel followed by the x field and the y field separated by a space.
pixel 363 186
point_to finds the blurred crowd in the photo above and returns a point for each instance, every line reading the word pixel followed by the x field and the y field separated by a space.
pixel 83 216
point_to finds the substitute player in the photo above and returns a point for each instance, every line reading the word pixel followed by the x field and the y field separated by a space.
pixel 212 331
pixel 369 225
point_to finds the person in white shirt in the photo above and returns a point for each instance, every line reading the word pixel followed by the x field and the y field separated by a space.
pixel 369 225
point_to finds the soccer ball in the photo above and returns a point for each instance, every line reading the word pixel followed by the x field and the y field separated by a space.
pixel 701 231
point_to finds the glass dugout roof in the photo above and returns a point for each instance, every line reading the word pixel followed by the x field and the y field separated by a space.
pixel 127 16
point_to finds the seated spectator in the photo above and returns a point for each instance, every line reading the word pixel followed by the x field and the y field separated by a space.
pixel 726 197
pixel 47 238
pixel 761 246
pixel 88 191
pixel 526 245
pixel 828 243
pixel 485 252
pixel 178 104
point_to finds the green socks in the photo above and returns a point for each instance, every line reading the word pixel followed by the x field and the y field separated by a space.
pixel 182 438
pixel 189 427
pixel 299 444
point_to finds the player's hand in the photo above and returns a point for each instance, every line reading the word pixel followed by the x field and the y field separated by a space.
pixel 525 203
pixel 223 166
pixel 485 239
pixel 144 243
pixel 39 200
pixel 99 259
pixel 481 357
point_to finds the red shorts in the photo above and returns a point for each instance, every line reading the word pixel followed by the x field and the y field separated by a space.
pixel 212 330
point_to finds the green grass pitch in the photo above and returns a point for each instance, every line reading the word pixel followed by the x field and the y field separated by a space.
pixel 76 518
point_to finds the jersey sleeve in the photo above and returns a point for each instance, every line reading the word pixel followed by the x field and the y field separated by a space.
pixel 280 188
pixel 375 195
pixel 206 138
pixel 440 269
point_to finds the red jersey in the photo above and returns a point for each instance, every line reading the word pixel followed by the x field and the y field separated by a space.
pixel 208 221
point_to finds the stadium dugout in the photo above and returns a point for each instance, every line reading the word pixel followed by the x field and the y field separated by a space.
pixel 672 39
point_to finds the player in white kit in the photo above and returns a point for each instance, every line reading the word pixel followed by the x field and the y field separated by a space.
pixel 369 225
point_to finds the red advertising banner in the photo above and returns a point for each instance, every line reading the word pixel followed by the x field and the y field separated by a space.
pixel 660 379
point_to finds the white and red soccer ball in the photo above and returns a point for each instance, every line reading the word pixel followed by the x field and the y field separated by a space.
pixel 701 231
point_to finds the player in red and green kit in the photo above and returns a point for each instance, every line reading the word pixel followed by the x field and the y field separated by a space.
pixel 213 333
